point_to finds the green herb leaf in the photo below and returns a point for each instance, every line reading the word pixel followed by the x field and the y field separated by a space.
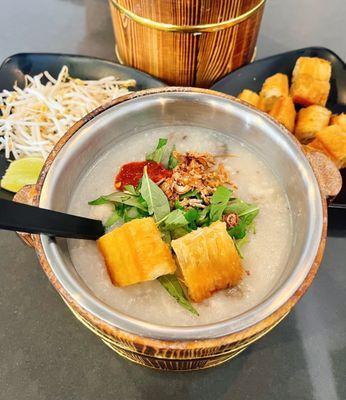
pixel 172 161
pixel 166 236
pixel 175 219
pixel 131 213
pixel 176 224
pixel 100 200
pixel 238 231
pixel 180 231
pixel 115 216
pixel 246 213
pixel 178 206
pixel 158 153
pixel 244 225
pixel 155 198
pixel 238 248
pixel 121 197
pixel 218 202
pixel 131 189
pixel 172 285
pixel 249 217
pixel 240 207
pixel 121 209
pixel 203 218
pixel 191 215
pixel 135 202
pixel 239 244
pixel 191 193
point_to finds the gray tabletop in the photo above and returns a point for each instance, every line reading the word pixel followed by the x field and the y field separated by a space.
pixel 45 353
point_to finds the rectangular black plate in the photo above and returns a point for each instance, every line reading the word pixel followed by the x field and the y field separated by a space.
pixel 252 77
pixel 15 67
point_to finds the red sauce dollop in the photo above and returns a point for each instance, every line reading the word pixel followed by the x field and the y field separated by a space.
pixel 131 173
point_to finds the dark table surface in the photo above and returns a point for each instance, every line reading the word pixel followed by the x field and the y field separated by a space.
pixel 45 353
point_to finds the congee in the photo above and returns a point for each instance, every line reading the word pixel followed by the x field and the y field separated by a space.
pixel 198 227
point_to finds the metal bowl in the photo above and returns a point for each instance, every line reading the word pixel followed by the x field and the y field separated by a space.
pixel 107 126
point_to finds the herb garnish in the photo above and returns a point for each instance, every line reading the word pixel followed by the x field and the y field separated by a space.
pixel 203 217
pixel 156 200
pixel 241 229
pixel 192 215
pixel 191 193
pixel 158 153
pixel 147 199
pixel 172 285
pixel 246 213
pixel 175 219
pixel 131 189
pixel 115 216
pixel 172 161
pixel 240 207
pixel 120 197
pixel 219 201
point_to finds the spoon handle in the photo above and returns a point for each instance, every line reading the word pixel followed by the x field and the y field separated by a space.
pixel 24 218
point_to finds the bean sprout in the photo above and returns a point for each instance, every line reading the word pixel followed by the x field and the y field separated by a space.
pixel 33 119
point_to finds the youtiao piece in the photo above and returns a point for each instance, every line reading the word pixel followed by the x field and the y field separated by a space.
pixel 209 260
pixel 136 253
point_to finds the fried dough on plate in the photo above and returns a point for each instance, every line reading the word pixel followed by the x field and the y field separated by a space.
pixel 332 141
pixel 316 67
pixel 306 90
pixel 340 120
pixel 249 97
pixel 310 120
pixel 273 88
pixel 285 112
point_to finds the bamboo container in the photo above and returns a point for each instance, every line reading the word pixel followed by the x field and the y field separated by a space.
pixel 186 42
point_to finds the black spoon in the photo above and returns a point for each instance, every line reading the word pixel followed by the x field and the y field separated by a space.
pixel 23 218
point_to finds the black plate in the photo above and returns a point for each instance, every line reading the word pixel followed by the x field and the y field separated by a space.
pixel 15 67
pixel 253 75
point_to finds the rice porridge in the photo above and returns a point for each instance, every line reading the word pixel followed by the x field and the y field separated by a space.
pixel 265 255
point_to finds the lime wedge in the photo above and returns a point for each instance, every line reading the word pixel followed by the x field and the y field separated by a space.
pixel 24 171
